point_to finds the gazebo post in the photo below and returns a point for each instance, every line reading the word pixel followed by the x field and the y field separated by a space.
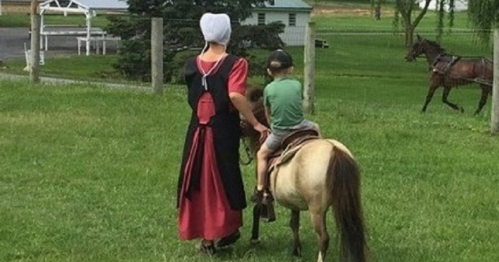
pixel 42 25
pixel 88 17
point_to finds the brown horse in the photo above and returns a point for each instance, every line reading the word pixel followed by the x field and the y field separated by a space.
pixel 451 71
pixel 321 174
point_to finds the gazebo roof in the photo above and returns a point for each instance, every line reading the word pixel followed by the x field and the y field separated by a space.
pixel 83 6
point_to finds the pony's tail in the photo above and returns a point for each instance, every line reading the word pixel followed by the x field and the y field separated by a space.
pixel 344 181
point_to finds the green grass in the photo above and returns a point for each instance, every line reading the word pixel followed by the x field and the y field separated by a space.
pixel 23 20
pixel 89 174
pixel 358 18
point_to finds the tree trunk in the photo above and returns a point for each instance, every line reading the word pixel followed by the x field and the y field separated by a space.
pixel 409 35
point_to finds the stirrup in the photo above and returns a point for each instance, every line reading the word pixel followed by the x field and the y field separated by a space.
pixel 257 196
pixel 267 212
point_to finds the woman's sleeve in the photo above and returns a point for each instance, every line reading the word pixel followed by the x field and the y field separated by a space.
pixel 238 76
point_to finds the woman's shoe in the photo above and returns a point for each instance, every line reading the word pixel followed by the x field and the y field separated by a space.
pixel 207 248
pixel 228 240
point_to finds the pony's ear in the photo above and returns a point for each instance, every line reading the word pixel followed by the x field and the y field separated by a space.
pixel 419 37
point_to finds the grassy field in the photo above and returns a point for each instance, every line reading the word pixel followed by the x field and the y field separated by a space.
pixel 89 174
pixel 23 20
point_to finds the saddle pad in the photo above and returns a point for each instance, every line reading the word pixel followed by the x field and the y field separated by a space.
pixel 289 153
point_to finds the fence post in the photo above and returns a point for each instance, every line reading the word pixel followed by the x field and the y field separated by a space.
pixel 34 66
pixel 494 122
pixel 157 54
pixel 309 70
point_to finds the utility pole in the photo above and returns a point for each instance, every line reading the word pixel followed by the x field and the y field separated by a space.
pixel 157 54
pixel 309 74
pixel 494 120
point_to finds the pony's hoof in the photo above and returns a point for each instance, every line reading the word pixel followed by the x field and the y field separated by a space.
pixel 254 241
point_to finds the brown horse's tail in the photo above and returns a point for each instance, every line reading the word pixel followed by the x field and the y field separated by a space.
pixel 344 181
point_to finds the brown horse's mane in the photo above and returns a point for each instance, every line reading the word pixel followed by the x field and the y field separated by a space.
pixel 439 48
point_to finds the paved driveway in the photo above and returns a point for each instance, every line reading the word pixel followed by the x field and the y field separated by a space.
pixel 12 42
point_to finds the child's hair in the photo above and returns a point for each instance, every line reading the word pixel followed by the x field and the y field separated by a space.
pixel 279 61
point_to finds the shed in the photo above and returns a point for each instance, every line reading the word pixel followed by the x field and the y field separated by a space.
pixel 294 14
pixel 459 5
pixel 88 8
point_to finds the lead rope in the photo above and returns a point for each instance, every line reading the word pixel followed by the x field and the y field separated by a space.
pixel 248 153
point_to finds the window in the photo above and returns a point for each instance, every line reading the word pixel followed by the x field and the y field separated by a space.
pixel 292 20
pixel 261 19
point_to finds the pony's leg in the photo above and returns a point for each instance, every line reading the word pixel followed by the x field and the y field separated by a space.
pixel 431 92
pixel 483 99
pixel 446 101
pixel 255 230
pixel 319 223
pixel 294 223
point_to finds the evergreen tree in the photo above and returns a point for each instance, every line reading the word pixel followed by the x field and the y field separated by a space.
pixel 181 31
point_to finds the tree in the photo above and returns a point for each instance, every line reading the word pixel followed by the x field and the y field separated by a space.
pixel 484 17
pixel 181 31
pixel 406 9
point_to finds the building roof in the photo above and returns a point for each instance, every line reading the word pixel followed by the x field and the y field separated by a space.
pixel 90 5
pixel 286 5
pixel 104 4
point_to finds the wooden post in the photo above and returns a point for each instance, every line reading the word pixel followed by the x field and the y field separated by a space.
pixel 157 54
pixel 35 43
pixel 309 71
pixel 494 123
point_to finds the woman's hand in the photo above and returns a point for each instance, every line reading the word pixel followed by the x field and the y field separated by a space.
pixel 263 130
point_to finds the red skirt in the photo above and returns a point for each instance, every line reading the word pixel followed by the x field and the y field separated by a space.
pixel 206 213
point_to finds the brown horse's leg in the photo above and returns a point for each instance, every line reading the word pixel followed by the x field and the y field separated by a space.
pixel 483 98
pixel 294 223
pixel 446 101
pixel 431 91
pixel 319 222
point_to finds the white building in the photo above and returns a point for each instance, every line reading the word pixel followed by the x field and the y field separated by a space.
pixel 294 14
pixel 459 5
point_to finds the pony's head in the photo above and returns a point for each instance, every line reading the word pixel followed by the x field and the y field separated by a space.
pixel 254 96
pixel 421 46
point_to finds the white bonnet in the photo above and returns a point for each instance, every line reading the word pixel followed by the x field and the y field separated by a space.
pixel 216 28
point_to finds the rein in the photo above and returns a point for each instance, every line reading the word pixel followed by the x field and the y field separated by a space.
pixel 248 154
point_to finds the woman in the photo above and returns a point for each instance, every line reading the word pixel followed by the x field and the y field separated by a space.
pixel 211 193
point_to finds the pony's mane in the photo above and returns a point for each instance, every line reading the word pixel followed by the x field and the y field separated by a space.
pixel 254 93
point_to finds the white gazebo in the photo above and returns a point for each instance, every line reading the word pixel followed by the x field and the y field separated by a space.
pixel 88 8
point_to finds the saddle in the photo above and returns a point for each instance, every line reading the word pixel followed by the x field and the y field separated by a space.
pixel 443 63
pixel 290 145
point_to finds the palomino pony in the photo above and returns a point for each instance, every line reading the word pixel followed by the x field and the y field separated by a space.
pixel 452 71
pixel 321 174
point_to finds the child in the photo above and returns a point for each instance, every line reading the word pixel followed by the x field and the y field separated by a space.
pixel 284 111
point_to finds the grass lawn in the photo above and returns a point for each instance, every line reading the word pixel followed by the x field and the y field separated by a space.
pixel 23 20
pixel 89 174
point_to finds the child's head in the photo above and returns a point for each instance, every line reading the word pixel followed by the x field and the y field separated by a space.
pixel 279 63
